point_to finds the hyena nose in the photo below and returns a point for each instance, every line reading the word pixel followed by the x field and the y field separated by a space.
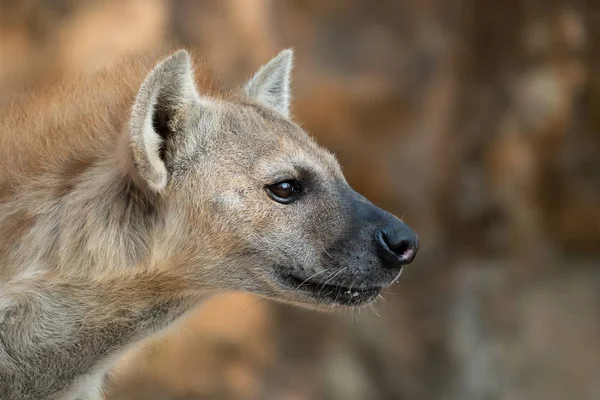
pixel 397 245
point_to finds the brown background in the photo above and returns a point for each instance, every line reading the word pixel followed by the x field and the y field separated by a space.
pixel 476 120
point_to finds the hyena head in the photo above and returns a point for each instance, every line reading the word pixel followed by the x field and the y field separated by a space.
pixel 251 200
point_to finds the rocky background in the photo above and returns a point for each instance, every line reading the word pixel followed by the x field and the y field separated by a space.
pixel 478 121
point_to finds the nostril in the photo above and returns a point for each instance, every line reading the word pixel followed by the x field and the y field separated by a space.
pixel 404 249
pixel 397 248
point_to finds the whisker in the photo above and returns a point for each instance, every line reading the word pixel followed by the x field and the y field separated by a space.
pixel 325 251
pixel 333 276
pixel 310 277
pixel 323 284
pixel 336 298
pixel 372 306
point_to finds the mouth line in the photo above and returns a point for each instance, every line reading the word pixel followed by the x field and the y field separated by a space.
pixel 331 293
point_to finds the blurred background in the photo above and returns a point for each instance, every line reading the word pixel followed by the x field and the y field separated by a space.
pixel 478 121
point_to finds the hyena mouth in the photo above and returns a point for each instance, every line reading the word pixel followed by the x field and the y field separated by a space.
pixel 331 293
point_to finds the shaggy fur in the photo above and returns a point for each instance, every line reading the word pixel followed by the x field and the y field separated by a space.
pixel 128 196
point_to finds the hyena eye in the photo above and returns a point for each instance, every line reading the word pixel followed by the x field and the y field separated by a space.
pixel 283 192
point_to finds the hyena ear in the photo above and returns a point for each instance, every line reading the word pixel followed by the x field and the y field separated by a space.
pixel 159 113
pixel 271 84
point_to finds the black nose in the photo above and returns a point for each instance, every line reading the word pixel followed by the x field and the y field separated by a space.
pixel 397 245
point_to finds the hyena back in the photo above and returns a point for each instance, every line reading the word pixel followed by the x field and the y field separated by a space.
pixel 128 196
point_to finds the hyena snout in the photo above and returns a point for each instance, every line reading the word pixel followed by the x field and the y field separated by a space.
pixel 363 255
pixel 396 244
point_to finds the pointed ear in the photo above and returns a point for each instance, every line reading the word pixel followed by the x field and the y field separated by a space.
pixel 271 84
pixel 158 113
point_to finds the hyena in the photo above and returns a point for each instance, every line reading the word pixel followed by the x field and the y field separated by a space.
pixel 129 195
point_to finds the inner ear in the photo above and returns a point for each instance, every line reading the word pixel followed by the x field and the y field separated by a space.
pixel 159 116
pixel 162 123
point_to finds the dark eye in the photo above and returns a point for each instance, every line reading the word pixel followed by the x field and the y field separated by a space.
pixel 283 192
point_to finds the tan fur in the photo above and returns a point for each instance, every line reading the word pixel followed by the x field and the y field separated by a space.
pixel 128 196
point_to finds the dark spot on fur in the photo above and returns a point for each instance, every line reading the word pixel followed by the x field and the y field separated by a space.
pixel 6 191
pixel 69 175
pixel 136 212
pixel 138 204
pixel 14 227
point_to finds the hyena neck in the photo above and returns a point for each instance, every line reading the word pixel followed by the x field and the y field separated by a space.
pixel 89 217
pixel 90 281
pixel 78 329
